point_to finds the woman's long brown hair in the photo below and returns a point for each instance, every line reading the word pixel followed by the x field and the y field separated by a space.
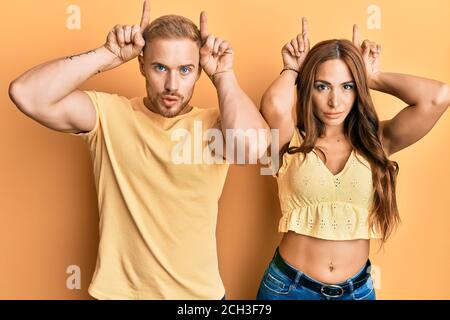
pixel 361 126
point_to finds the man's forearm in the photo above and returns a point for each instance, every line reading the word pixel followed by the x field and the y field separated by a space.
pixel 237 110
pixel 48 83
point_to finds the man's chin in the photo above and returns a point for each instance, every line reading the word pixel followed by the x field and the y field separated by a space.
pixel 170 112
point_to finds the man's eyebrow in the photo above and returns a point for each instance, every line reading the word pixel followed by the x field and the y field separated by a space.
pixel 187 65
pixel 159 64
pixel 181 66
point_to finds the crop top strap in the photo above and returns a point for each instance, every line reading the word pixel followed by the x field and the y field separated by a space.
pixel 296 141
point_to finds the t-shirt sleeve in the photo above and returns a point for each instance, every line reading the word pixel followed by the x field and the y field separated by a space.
pixel 90 136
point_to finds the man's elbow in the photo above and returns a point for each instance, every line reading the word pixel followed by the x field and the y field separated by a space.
pixel 16 92
pixel 13 91
pixel 257 149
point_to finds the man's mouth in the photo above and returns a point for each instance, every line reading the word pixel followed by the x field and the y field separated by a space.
pixel 170 100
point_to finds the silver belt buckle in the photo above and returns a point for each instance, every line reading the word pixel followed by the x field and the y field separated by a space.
pixel 332 286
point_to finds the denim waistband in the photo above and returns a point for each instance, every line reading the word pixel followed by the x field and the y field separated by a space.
pixel 349 285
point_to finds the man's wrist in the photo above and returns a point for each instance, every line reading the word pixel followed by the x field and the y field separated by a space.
pixel 221 76
pixel 112 60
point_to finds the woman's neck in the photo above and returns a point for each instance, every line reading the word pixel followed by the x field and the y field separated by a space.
pixel 332 132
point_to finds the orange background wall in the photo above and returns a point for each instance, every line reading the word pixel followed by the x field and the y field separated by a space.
pixel 48 204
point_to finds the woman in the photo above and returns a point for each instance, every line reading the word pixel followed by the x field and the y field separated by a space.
pixel 336 182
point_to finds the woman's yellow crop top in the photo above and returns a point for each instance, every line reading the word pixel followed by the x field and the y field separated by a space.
pixel 316 203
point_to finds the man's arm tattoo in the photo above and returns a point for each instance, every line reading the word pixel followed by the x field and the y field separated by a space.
pixel 78 55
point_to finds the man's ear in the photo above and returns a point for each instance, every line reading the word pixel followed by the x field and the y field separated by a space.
pixel 141 63
pixel 199 73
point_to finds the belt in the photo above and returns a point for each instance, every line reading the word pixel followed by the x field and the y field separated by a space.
pixel 328 290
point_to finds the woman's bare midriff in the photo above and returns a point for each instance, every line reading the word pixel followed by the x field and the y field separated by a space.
pixel 327 261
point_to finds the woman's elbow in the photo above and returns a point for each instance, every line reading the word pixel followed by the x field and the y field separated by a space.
pixel 442 97
pixel 270 103
pixel 273 109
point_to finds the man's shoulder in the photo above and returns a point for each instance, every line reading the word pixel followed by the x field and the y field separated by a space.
pixel 107 95
pixel 107 101
pixel 207 113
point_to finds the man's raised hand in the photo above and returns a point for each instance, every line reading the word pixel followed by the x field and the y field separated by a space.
pixel 216 54
pixel 127 41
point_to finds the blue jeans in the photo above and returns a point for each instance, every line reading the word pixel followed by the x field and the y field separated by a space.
pixel 277 285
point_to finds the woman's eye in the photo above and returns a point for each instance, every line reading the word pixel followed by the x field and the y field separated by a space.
pixel 321 87
pixel 348 86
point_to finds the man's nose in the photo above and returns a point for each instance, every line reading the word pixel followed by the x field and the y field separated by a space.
pixel 171 83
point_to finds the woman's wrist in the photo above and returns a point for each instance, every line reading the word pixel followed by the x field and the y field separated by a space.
pixel 374 81
pixel 288 67
pixel 289 72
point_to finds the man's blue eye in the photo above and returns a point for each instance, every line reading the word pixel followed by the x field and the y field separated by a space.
pixel 161 68
pixel 185 70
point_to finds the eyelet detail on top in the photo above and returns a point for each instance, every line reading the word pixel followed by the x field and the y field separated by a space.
pixel 316 203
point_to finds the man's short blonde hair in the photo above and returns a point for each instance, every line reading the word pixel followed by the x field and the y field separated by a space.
pixel 172 27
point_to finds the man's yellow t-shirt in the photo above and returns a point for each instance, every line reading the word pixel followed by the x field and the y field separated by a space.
pixel 157 218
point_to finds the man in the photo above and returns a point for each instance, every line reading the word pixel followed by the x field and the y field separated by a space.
pixel 157 216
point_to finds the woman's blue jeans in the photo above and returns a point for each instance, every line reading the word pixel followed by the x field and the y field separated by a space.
pixel 277 285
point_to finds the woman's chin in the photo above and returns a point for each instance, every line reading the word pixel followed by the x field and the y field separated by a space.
pixel 333 122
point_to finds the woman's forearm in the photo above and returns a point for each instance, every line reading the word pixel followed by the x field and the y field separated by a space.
pixel 412 90
pixel 279 98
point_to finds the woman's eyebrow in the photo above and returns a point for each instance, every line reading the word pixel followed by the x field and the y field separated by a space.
pixel 328 83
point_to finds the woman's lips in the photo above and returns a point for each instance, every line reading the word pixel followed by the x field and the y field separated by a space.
pixel 333 115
